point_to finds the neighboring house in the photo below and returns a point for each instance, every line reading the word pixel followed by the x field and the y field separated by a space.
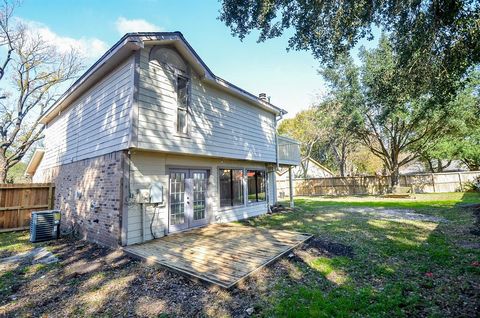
pixel 417 166
pixel 308 168
pixel 149 142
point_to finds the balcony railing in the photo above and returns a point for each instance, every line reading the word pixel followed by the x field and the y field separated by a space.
pixel 288 151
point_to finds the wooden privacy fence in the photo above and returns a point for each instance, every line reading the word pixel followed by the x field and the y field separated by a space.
pixel 375 185
pixel 17 201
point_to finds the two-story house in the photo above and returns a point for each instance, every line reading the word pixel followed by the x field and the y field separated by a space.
pixel 149 142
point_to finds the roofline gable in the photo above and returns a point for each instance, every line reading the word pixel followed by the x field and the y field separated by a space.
pixel 131 42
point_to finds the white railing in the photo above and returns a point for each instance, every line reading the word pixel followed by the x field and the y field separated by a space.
pixel 288 151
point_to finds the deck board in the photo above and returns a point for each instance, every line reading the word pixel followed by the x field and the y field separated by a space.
pixel 222 254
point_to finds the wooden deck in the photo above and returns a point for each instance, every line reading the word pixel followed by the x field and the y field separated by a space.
pixel 222 254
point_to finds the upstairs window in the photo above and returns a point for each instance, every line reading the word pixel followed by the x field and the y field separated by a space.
pixel 256 186
pixel 177 72
pixel 231 187
pixel 182 104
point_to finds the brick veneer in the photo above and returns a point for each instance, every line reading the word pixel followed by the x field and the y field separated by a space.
pixel 89 193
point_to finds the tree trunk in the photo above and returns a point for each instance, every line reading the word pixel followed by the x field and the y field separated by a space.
pixel 342 169
pixel 3 169
pixel 439 165
pixel 430 166
pixel 395 176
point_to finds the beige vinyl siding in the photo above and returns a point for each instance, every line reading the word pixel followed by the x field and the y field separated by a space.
pixel 96 123
pixel 148 167
pixel 220 124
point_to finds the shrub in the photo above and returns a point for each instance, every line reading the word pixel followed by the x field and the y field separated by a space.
pixel 473 186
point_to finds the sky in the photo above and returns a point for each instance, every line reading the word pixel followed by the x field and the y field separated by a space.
pixel 290 78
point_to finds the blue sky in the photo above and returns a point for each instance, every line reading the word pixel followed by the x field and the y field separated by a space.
pixel 290 78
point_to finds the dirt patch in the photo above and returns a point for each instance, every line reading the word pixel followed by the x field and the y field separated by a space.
pixel 320 247
pixel 470 245
pixel 280 208
pixel 475 230
pixel 393 214
pixel 90 280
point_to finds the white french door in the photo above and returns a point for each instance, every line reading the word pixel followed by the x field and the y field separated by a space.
pixel 188 199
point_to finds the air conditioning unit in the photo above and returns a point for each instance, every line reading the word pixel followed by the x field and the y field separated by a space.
pixel 44 226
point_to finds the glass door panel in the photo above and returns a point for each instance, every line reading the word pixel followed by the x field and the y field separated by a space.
pixel 178 205
pixel 188 199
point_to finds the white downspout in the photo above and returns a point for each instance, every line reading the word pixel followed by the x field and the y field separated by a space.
pixel 276 140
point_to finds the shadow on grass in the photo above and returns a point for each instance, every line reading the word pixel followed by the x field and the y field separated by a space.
pixel 421 202
pixel 400 268
pixel 386 274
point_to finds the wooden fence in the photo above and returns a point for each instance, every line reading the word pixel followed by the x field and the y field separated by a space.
pixel 375 185
pixel 17 201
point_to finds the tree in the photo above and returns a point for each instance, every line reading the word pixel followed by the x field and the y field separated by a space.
pixel 462 139
pixel 324 135
pixel 306 128
pixel 343 99
pixel 364 162
pixel 36 71
pixel 396 124
pixel 440 37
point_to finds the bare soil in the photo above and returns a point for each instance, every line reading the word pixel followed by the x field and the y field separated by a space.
pixel 321 247
pixel 476 226
pixel 90 280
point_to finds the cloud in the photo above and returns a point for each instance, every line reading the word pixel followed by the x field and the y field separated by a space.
pixel 90 48
pixel 125 25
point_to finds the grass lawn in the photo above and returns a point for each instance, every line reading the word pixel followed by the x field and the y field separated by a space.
pixel 399 267
pixel 359 264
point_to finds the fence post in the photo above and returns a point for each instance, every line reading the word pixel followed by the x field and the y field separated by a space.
pixel 460 180
pixel 50 195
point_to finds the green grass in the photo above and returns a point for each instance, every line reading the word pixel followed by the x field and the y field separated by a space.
pixel 400 268
pixel 14 242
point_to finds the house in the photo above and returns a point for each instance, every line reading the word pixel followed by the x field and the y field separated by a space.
pixel 419 167
pixel 308 168
pixel 150 142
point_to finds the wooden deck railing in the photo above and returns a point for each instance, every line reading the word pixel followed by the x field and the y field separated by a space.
pixel 288 151
pixel 17 201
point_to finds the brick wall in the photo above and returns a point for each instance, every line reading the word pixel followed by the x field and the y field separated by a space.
pixel 89 194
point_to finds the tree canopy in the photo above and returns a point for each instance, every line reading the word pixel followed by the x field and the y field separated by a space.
pixel 461 141
pixel 373 106
pixel 35 69
pixel 440 37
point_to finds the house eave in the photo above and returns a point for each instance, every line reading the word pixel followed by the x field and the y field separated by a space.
pixel 131 42
pixel 118 53
pixel 34 162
